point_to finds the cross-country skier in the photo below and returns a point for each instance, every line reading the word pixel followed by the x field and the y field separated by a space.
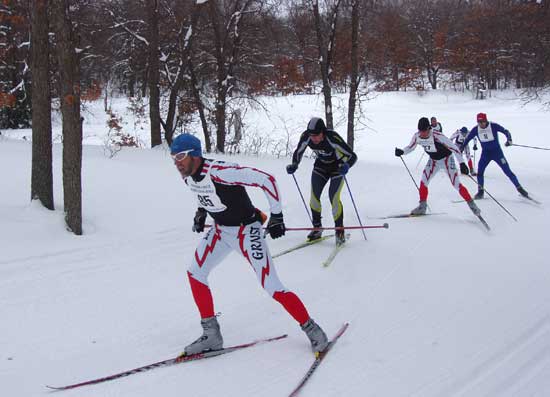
pixel 334 159
pixel 220 191
pixel 436 125
pixel 486 133
pixel 458 138
pixel 441 150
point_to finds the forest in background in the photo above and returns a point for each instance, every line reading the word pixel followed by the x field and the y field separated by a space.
pixel 212 55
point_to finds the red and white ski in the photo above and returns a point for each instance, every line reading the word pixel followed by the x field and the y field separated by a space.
pixel 318 359
pixel 169 362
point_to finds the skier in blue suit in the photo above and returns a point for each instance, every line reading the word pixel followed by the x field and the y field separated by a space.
pixel 486 132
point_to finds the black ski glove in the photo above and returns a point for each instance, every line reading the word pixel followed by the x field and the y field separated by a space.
pixel 291 168
pixel 343 168
pixel 276 225
pixel 199 220
pixel 508 143
pixel 464 169
pixel 399 152
pixel 475 146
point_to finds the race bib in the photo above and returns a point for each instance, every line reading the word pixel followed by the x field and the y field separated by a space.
pixel 485 134
pixel 205 191
pixel 428 144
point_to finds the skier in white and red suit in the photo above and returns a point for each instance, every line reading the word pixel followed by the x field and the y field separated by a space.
pixel 441 150
pixel 220 191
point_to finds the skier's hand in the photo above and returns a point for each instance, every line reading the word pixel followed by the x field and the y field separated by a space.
pixel 291 168
pixel 399 152
pixel 343 168
pixel 475 146
pixel 276 225
pixel 508 143
pixel 199 220
pixel 464 169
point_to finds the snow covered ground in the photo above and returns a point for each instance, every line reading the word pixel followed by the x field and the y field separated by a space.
pixel 437 306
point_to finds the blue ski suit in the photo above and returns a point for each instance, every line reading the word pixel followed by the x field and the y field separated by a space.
pixel 491 150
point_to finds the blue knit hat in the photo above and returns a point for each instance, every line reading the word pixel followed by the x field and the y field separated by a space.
pixel 186 143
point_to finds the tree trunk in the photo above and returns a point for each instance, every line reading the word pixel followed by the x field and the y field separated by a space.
pixel 69 91
pixel 154 74
pixel 184 65
pixel 324 66
pixel 200 107
pixel 42 174
pixel 354 77
pixel 220 120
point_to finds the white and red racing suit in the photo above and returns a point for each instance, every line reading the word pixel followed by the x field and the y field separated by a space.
pixel 220 190
pixel 441 150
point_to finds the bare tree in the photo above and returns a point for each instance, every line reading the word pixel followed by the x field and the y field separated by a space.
pixel 326 36
pixel 42 174
pixel 154 75
pixel 354 76
pixel 183 73
pixel 226 27
pixel 69 95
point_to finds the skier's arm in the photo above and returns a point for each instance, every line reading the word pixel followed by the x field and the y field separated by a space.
pixel 344 153
pixel 301 148
pixel 470 136
pixel 502 130
pixel 449 145
pixel 454 136
pixel 249 176
pixel 411 146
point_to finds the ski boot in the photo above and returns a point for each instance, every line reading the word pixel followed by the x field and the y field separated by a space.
pixel 340 237
pixel 315 234
pixel 421 209
pixel 479 195
pixel 475 209
pixel 316 335
pixel 523 192
pixel 211 338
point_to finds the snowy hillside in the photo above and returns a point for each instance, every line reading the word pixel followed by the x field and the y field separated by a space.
pixel 436 305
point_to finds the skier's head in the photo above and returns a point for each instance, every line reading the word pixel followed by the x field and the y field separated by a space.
pixel 482 119
pixel 316 129
pixel 186 153
pixel 433 121
pixel 424 127
pixel 464 130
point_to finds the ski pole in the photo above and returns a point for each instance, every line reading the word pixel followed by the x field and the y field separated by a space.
pixel 355 207
pixel 405 164
pixel 302 196
pixel 419 160
pixel 417 188
pixel 295 229
pixel 475 157
pixel 531 147
pixel 496 201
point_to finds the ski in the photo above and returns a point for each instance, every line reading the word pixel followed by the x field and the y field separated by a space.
pixel 318 359
pixel 411 215
pixel 484 198
pixel 302 245
pixel 484 223
pixel 337 248
pixel 169 362
pixel 532 199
